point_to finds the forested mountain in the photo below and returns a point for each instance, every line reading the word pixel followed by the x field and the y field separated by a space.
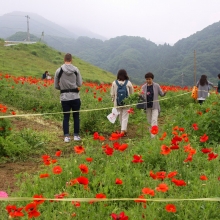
pixel 138 55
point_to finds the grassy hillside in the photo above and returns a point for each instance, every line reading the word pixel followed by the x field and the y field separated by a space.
pixel 34 59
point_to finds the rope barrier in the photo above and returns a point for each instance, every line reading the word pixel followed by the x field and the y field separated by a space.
pixel 88 110
pixel 217 199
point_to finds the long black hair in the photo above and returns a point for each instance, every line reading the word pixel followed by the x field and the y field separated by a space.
pixel 203 80
pixel 122 75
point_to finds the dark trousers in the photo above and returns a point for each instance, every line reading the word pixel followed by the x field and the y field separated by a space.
pixel 67 106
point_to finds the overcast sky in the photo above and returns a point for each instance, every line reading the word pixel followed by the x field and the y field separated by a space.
pixel 156 20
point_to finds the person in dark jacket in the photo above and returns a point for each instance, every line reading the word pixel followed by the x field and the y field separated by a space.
pixel 67 79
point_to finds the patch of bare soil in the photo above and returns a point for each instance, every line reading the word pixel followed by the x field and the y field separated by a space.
pixel 8 172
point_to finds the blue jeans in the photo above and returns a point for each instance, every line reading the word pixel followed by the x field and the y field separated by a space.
pixel 67 106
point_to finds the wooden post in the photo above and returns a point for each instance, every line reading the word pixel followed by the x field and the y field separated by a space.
pixel 194 67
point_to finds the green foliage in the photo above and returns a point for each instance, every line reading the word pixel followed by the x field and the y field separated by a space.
pixel 21 145
pixel 5 127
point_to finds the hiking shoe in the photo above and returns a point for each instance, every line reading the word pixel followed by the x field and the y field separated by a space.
pixel 77 138
pixel 67 139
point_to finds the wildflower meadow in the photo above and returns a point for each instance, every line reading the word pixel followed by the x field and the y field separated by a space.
pixel 174 175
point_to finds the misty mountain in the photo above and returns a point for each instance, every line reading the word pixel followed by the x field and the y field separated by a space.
pixel 170 64
pixel 17 22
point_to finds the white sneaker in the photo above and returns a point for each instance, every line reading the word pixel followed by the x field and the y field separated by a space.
pixel 67 139
pixel 77 138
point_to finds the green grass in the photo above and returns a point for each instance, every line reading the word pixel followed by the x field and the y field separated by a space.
pixel 35 59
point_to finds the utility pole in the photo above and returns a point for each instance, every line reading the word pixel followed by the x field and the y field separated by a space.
pixel 42 36
pixel 182 78
pixel 28 34
pixel 194 67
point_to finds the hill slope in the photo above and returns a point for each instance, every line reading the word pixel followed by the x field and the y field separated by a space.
pixel 34 59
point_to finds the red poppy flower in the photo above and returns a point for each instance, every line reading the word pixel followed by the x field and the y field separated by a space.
pixel 58 153
pixel 204 138
pixel 212 156
pixel 14 212
pixel 100 196
pixel 83 168
pixel 118 181
pixel 120 216
pixel 181 129
pixel 137 159
pixel 152 175
pixel 130 111
pixel 174 147
pixel 61 195
pixel 89 159
pixel 206 150
pixel 79 149
pixel 108 151
pixel 195 126
pixel 189 158
pixel 116 145
pixel 44 175
pixel 178 182
pixel 30 207
pixel 170 208
pixel 38 202
pixel 100 99
pixel 57 170
pixel 13 113
pixel 101 138
pixel 76 204
pixel 82 180
pixel 115 136
pixel 172 174
pixel 154 129
pixel 96 136
pixel 123 147
pixel 163 136
pixel 162 187
pixel 141 199
pixel 199 112
pixel 148 191
pixel 203 177
pixel 161 175
pixel 165 150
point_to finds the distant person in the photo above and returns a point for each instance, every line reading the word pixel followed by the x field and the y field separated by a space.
pixel 203 88
pixel 44 76
pixel 219 83
pixel 67 79
pixel 149 92
pixel 123 82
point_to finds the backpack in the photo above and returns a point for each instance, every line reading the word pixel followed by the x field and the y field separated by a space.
pixel 122 92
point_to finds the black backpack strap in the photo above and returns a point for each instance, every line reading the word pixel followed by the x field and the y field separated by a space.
pixel 61 72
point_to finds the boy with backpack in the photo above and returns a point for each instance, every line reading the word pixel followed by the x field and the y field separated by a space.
pixel 121 89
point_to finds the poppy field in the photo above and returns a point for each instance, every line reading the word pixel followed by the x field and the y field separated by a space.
pixel 105 176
